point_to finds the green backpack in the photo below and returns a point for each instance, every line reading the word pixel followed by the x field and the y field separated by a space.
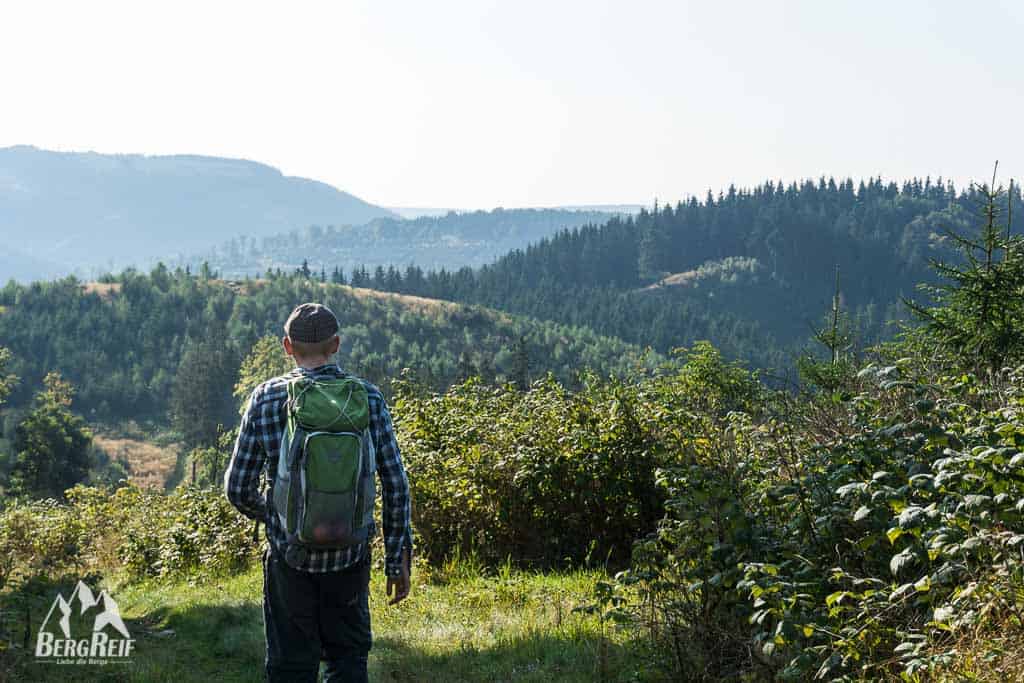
pixel 324 489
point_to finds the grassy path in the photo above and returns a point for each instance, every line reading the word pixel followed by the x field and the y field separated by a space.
pixel 463 627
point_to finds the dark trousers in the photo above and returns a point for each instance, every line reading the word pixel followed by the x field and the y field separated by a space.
pixel 311 617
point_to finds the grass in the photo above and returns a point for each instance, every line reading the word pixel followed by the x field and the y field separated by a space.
pixel 151 465
pixel 987 654
pixel 456 626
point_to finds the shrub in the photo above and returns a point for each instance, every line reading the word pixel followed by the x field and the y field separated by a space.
pixel 862 552
pixel 190 532
pixel 549 476
pixel 540 476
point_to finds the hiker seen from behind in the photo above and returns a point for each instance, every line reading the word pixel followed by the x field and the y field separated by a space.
pixel 323 437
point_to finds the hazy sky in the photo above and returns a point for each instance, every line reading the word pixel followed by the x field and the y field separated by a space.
pixel 477 104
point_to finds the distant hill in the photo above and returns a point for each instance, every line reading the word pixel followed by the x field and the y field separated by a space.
pixel 82 212
pixel 451 241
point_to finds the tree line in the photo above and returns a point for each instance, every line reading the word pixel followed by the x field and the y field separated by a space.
pixel 750 270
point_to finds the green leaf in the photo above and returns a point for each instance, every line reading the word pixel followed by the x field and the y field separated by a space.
pixel 975 501
pixel 835 598
pixel 868 370
pixel 848 489
pixel 924 406
pixel 901 592
pixel 971 543
pixel 911 517
pixel 862 513
pixel 902 561
pixel 893 533
pixel 922 481
pixel 831 666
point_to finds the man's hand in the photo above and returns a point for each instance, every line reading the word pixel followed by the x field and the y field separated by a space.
pixel 399 585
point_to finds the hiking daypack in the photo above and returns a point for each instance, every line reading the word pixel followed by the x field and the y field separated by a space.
pixel 324 490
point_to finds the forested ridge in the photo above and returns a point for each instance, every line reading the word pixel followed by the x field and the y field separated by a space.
pixel 752 270
pixel 123 341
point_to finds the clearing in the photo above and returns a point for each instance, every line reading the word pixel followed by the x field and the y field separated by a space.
pixel 151 465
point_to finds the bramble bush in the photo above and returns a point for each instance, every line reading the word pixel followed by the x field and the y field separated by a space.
pixel 548 476
pixel 540 476
pixel 190 532
pixel 788 551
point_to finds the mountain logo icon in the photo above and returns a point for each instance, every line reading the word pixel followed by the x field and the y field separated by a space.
pixel 109 637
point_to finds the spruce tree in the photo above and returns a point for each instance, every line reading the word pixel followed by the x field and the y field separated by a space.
pixel 200 401
pixel 978 312
pixel 51 444
pixel 837 338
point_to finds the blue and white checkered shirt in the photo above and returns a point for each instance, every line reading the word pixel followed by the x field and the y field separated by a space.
pixel 258 445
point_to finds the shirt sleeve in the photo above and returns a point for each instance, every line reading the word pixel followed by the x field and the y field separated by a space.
pixel 242 478
pixel 395 490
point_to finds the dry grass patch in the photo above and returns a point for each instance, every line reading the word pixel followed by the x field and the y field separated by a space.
pixel 151 465
pixel 675 280
pixel 243 287
pixel 104 290
pixel 986 655
pixel 419 304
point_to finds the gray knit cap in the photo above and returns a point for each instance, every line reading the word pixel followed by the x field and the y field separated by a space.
pixel 311 323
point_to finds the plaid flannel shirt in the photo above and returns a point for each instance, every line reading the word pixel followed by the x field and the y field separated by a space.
pixel 258 445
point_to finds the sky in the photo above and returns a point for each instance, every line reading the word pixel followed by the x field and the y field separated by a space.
pixel 478 104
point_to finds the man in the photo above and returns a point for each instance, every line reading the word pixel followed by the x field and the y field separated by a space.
pixel 320 608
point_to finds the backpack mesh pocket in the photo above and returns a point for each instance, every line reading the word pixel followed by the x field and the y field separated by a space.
pixel 328 519
pixel 331 474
